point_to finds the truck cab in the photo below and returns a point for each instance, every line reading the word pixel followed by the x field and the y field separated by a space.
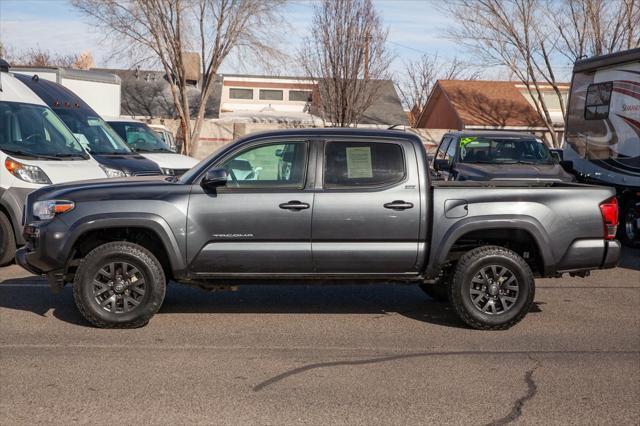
pixel 490 155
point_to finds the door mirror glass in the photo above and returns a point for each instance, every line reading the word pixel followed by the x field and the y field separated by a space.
pixel 556 154
pixel 441 164
pixel 214 178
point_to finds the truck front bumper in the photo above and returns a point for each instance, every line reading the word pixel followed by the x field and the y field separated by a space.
pixel 44 250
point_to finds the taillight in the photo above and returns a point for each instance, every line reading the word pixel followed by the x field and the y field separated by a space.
pixel 609 210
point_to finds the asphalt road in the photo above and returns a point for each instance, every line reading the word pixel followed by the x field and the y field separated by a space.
pixel 324 355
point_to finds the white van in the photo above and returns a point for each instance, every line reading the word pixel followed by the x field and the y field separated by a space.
pixel 36 149
pixel 142 139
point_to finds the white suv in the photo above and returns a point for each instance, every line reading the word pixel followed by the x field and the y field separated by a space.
pixel 145 141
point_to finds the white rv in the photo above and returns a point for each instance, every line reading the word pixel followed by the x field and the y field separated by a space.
pixel 603 131
pixel 99 89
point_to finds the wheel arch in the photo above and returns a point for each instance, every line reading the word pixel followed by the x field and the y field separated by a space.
pixel 507 232
pixel 149 231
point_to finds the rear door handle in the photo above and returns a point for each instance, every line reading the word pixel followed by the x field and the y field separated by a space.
pixel 294 205
pixel 398 205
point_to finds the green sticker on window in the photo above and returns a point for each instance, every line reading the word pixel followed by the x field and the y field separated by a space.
pixel 467 140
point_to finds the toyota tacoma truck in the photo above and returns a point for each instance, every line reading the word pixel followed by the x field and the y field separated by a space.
pixel 315 206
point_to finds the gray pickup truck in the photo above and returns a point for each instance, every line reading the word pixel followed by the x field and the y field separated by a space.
pixel 315 206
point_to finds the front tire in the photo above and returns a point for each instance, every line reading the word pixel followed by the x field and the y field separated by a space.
pixel 492 288
pixel 7 241
pixel 119 285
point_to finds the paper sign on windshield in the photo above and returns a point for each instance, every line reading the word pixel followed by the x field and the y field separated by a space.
pixel 359 163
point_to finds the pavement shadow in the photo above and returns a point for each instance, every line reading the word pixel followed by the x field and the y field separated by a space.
pixel 630 258
pixel 33 295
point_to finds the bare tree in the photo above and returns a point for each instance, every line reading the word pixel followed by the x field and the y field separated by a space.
pixel 595 27
pixel 419 77
pixel 172 28
pixel 346 52
pixel 512 33
pixel 37 57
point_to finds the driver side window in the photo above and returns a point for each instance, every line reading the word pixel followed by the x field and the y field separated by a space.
pixel 277 165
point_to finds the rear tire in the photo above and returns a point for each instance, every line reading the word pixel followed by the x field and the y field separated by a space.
pixel 119 285
pixel 492 288
pixel 628 231
pixel 7 241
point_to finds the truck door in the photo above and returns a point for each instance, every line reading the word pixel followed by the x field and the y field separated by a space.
pixel 366 216
pixel 260 221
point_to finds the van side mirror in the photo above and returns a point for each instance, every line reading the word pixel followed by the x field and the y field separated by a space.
pixel 214 178
pixel 567 165
pixel 557 154
pixel 440 164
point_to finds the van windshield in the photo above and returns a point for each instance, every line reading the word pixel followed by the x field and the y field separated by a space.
pixel 139 136
pixel 503 151
pixel 35 131
pixel 94 133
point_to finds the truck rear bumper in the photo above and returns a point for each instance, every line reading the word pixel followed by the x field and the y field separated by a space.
pixel 590 254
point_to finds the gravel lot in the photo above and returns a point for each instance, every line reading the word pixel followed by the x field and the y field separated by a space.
pixel 324 355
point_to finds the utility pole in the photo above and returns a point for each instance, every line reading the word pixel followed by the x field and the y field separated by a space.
pixel 367 40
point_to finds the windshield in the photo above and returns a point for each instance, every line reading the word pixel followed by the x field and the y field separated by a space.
pixel 503 151
pixel 139 136
pixel 94 133
pixel 35 131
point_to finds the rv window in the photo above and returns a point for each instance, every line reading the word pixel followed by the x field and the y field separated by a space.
pixel 598 99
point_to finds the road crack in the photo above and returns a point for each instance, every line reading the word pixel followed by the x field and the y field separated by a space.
pixel 532 390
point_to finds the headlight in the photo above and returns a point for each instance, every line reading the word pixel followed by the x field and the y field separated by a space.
pixel 113 173
pixel 48 209
pixel 27 173
pixel 167 171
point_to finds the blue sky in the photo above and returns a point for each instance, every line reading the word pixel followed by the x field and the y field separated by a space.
pixel 415 27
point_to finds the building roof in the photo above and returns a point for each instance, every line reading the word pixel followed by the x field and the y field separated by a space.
pixel 484 103
pixel 386 109
pixel 146 93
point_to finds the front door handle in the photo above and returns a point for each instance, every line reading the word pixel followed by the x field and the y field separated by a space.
pixel 294 205
pixel 398 205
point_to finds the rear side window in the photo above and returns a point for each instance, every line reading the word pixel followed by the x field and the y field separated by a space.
pixel 597 102
pixel 362 164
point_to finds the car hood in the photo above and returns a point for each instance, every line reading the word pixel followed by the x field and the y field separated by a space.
pixel 105 189
pixel 475 171
pixel 131 164
pixel 170 160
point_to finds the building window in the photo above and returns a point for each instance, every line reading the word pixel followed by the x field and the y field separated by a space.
pixel 241 94
pixel 271 95
pixel 299 95
pixel 598 99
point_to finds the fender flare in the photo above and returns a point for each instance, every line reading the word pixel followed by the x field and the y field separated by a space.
pixel 531 225
pixel 150 221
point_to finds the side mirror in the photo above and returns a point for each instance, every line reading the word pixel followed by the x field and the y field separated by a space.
pixel 556 153
pixel 214 178
pixel 440 164
pixel 567 165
